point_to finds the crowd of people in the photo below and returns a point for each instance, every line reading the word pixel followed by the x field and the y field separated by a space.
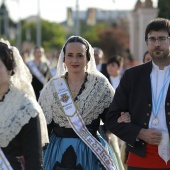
pixel 84 114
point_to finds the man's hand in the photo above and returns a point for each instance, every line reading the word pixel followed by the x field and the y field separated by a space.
pixel 150 136
pixel 125 117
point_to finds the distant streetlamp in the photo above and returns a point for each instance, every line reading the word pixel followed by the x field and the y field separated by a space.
pixel 19 28
pixel 38 32
pixel 4 20
pixel 77 29
pixel 18 32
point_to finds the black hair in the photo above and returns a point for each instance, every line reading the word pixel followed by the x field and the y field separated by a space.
pixel 37 47
pixel 158 24
pixel 6 55
pixel 80 40
pixel 115 59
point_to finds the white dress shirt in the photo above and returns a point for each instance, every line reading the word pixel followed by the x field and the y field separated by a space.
pixel 115 81
pixel 158 78
pixel 99 67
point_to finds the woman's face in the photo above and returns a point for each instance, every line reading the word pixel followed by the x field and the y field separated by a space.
pixel 38 54
pixel 4 75
pixel 113 69
pixel 75 57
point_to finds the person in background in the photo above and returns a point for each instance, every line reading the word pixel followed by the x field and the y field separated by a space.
pixel 144 92
pixel 98 55
pixel 53 63
pixel 53 59
pixel 39 68
pixel 74 101
pixel 146 57
pixel 25 56
pixel 23 130
pixel 114 67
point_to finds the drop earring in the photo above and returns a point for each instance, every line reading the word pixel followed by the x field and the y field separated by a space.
pixel 86 67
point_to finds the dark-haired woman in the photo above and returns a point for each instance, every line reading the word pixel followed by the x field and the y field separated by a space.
pixel 23 129
pixel 74 102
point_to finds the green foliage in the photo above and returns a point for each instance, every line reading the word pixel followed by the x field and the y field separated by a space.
pixel 112 39
pixel 164 8
pixel 91 33
pixel 52 34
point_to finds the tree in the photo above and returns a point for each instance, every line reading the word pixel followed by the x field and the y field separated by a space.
pixel 164 8
pixel 53 35
pixel 91 33
pixel 112 39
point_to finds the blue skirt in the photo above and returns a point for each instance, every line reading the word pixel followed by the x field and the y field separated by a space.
pixel 73 154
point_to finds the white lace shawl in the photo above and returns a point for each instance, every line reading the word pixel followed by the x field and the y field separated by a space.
pixel 96 96
pixel 15 111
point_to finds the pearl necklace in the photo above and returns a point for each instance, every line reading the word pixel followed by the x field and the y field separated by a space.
pixel 74 92
pixel 76 89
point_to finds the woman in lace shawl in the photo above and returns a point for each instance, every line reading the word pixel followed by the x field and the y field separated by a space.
pixel 23 130
pixel 39 68
pixel 91 93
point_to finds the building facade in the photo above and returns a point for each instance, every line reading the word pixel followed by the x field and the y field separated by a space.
pixel 138 20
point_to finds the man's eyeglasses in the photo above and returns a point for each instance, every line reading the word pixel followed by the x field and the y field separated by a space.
pixel 161 40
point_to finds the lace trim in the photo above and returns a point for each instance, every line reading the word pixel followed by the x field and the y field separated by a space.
pixel 3 97
pixel 15 111
pixel 95 97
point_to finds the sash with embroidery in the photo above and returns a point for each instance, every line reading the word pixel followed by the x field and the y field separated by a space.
pixel 36 71
pixel 78 125
pixel 4 164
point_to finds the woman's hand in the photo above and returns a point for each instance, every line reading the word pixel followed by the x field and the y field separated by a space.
pixel 125 118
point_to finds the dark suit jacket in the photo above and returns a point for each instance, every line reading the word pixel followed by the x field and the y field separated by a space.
pixel 134 96
pixel 104 70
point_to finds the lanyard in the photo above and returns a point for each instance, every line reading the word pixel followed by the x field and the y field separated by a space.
pixel 156 103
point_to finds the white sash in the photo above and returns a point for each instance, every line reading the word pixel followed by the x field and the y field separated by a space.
pixel 78 125
pixel 4 164
pixel 53 71
pixel 36 72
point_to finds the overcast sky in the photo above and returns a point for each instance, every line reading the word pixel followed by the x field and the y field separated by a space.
pixel 55 10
